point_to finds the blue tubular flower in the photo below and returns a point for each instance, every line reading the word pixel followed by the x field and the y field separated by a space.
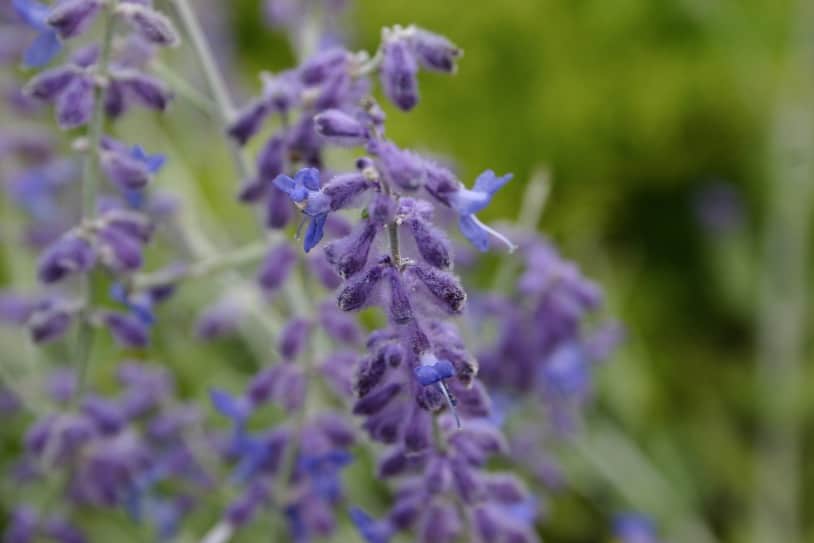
pixel 236 409
pixel 467 202
pixel 432 371
pixel 46 45
pixel 305 191
pixel 371 530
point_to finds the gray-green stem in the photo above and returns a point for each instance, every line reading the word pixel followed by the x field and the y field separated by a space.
pixel 90 188
pixel 214 79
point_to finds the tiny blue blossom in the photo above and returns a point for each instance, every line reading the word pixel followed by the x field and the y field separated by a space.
pixel 371 530
pixel 47 44
pixel 304 191
pixel 467 202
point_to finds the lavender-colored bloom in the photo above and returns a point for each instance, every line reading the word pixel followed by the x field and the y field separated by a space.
pixel 339 128
pixel 445 288
pixel 152 26
pixel 119 251
pixel 271 159
pixel 23 526
pixel 61 385
pixel 323 65
pixel 276 267
pixel 342 190
pixel 402 168
pixel 634 528
pixel 69 255
pixel 74 105
pixel 49 323
pixel 72 18
pixel 49 84
pixel 16 308
pixel 128 331
pixel 358 290
pixel 248 121
pixel 148 91
pixel 293 338
pixel 350 254
pixel 219 320
pixel 467 202
pixel 434 52
pixel 431 243
pixel 304 191
pixel 399 73
pixel 47 44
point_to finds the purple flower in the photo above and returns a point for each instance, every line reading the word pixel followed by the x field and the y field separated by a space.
pixel 399 73
pixel 304 191
pixel 72 18
pixel 339 128
pixel 371 530
pixel 467 202
pixel 434 52
pixel 47 44
pixel 152 26
pixel 70 254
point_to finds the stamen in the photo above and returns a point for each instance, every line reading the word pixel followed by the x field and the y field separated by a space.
pixel 500 237
pixel 451 402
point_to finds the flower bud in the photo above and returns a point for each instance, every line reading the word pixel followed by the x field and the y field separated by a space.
pixel 279 210
pixel 431 243
pixel 340 128
pixel 49 84
pixel 401 311
pixel 374 402
pixel 74 106
pixel 399 74
pixel 444 287
pixel 358 290
pixel 72 18
pixel 435 52
pixel 151 25
pixel 349 255
pixel 119 251
pixel 271 159
pixel 247 121
pixel 343 189
pixel 124 171
pixel 49 323
pixel 276 267
pixel 150 92
pixel 68 255
pixel 127 330
pixel 293 338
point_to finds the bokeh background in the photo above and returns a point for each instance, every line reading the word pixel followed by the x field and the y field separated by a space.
pixel 677 138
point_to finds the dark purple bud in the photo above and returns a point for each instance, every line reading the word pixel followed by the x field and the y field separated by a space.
pixel 247 121
pixel 279 209
pixel 147 90
pixel 381 210
pixel 444 286
pixel 339 128
pixel 406 510
pixel 15 308
pixel 393 464
pixel 22 527
pixel 74 105
pixel 115 102
pixel 440 524
pixel 243 509
pixel 253 190
pixel 371 371
pixel 323 65
pixel 292 388
pixel 384 425
pixel 431 243
pixel 151 25
pixel 465 481
pixel 281 91
pixel 338 325
pixel 271 159
pixel 61 531
pixel 393 354
pixel 338 430
pixel 399 74
pixel 70 18
pixel 128 330
pixel 343 189
pixel 87 56
pixel 374 402
pixel 294 337
pixel 49 84
pixel 506 489
pixel 68 255
pixel 130 223
pixel 435 52
pixel 119 251
pixel 105 414
pixel 49 324
pixel 418 431
pixel 358 290
pixel 276 267
pixel 438 477
pixel 349 255
pixel 400 167
pixel 401 312
pixel 323 270
pixel 219 320
pixel 124 171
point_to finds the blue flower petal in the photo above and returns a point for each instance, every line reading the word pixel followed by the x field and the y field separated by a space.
pixel 432 373
pixel 44 48
pixel 316 229
pixel 309 177
pixel 228 405
pixel 489 183
pixel 35 14
pixel 285 184
pixel 371 530
pixel 474 232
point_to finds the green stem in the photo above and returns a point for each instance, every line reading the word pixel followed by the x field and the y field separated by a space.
pixel 90 188
pixel 207 266
pixel 214 79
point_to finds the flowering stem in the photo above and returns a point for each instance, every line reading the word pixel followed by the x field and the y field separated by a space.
pixel 207 266
pixel 90 188
pixel 214 79
pixel 184 89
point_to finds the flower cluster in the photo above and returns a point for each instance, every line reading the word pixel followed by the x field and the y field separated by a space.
pixel 404 379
